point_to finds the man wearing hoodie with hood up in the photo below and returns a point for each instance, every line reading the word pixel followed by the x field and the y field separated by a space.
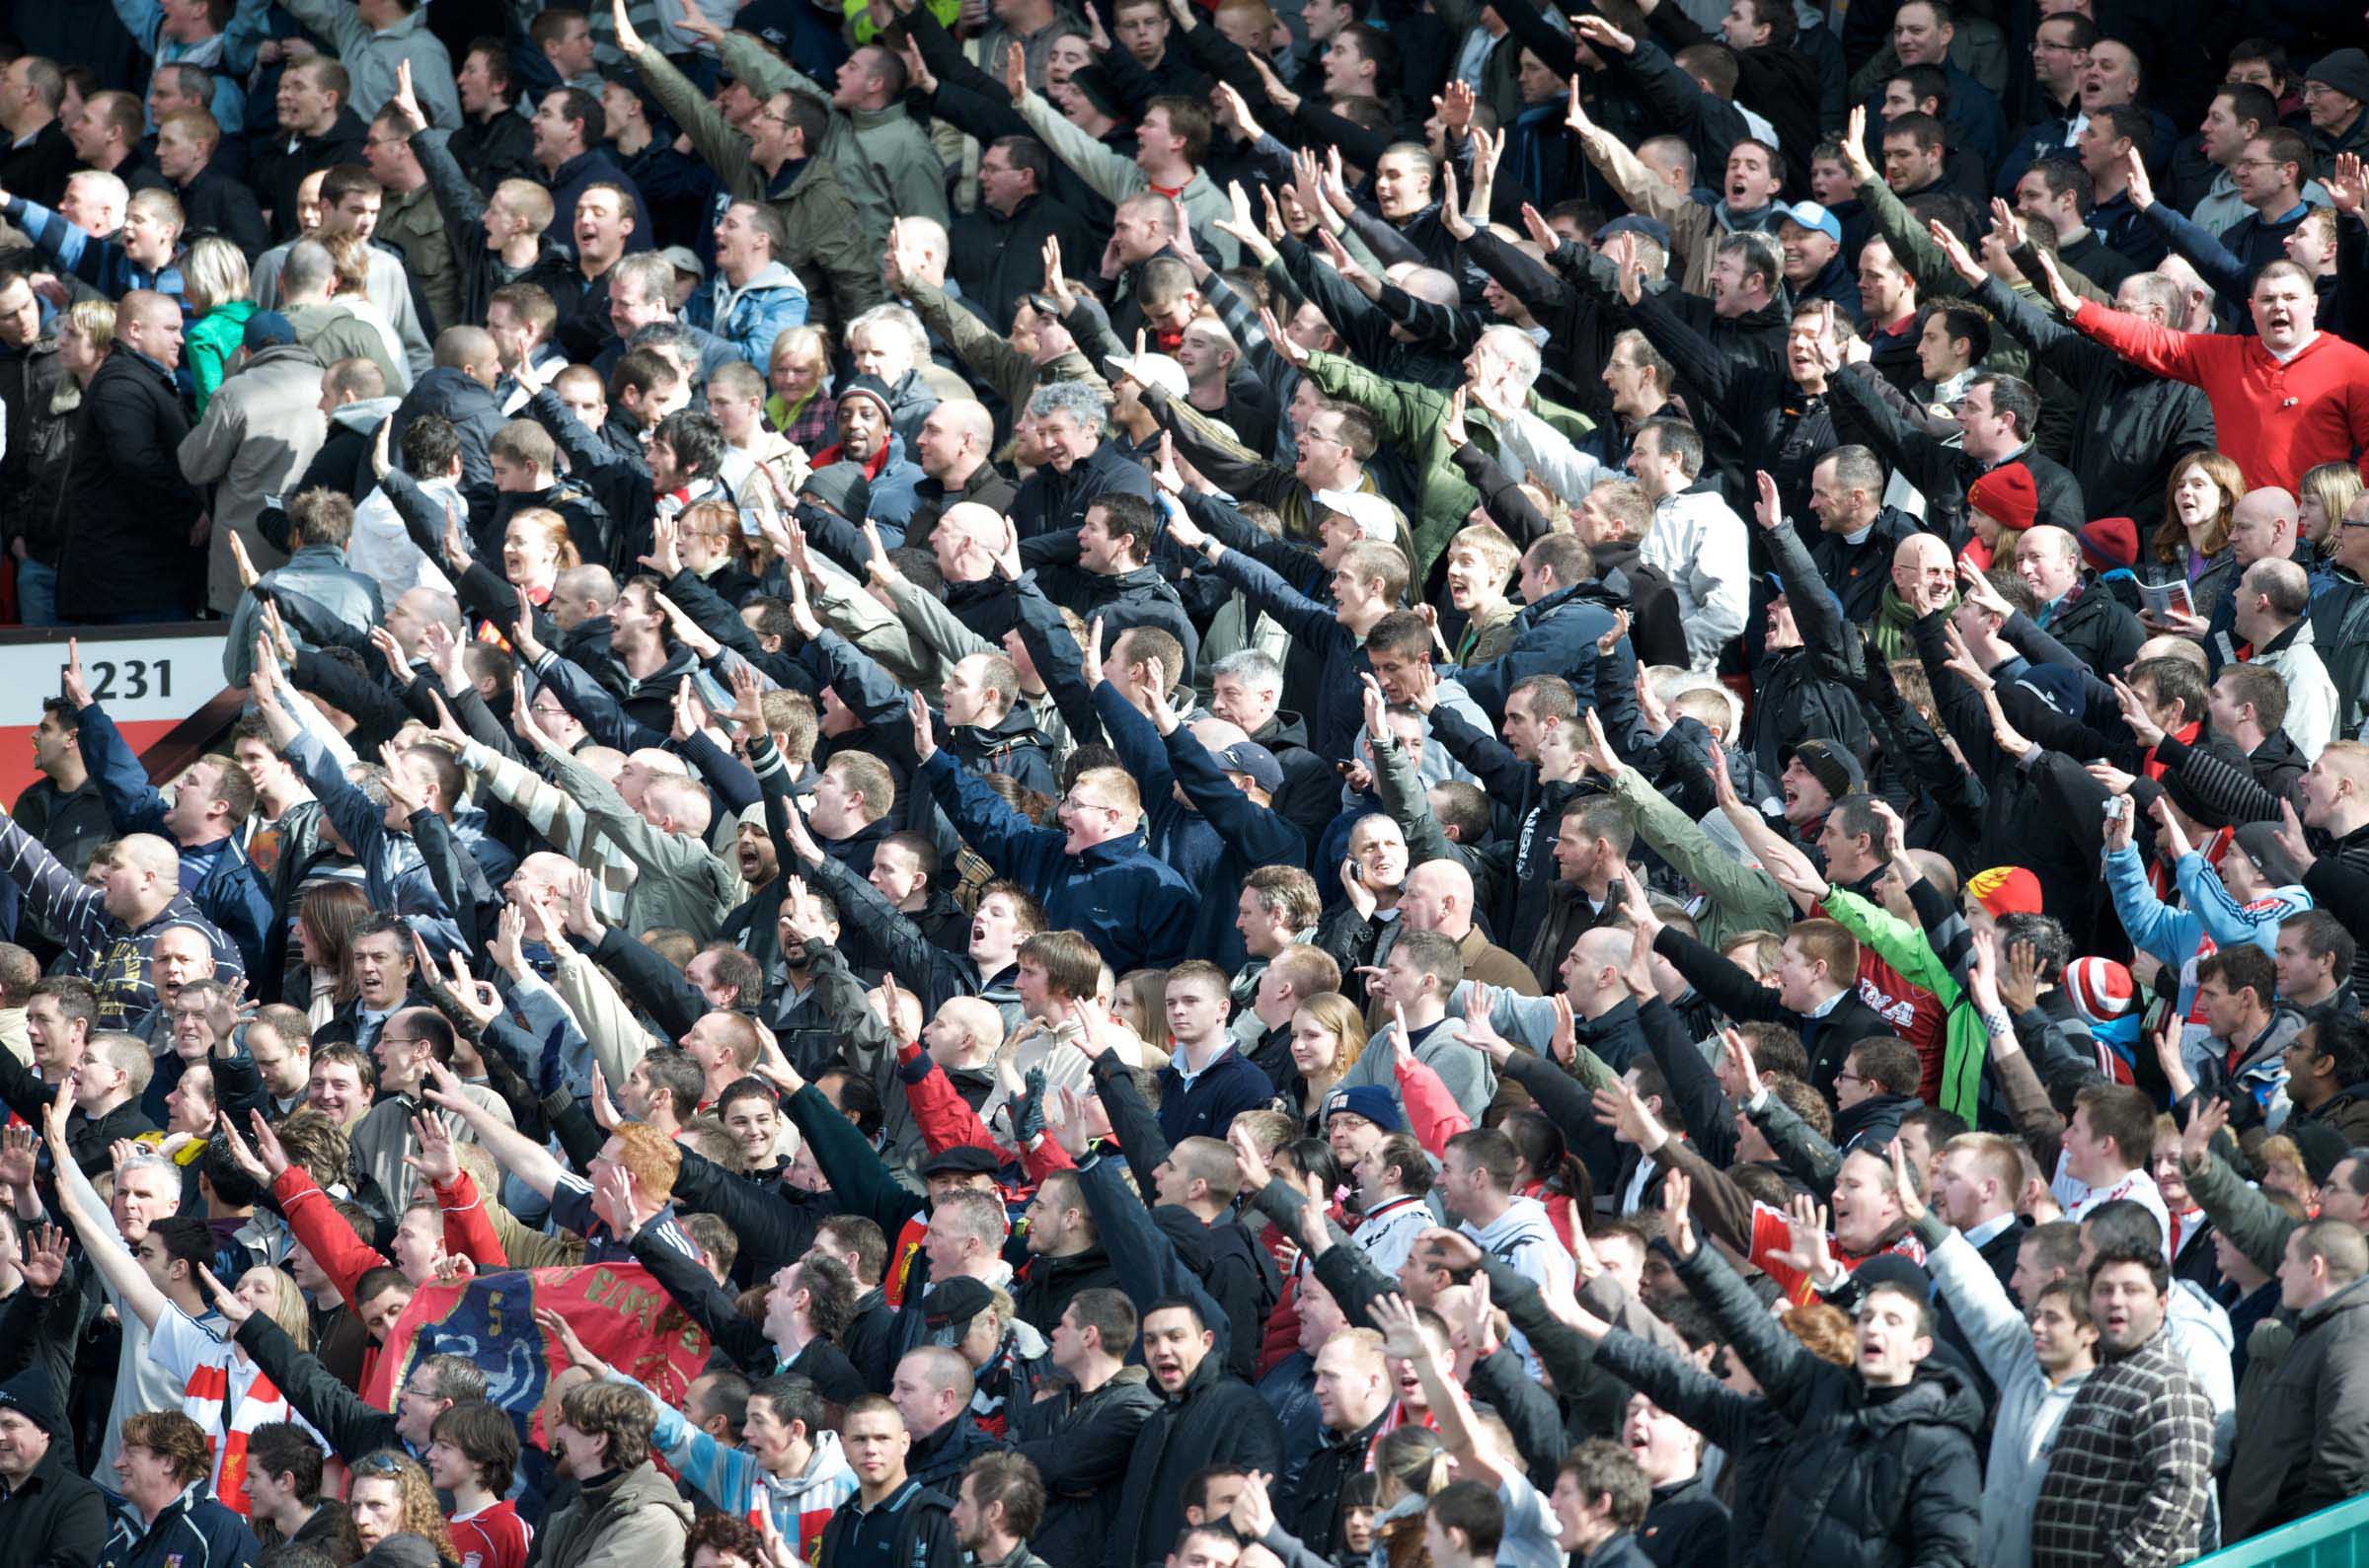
pixel 47 1509
pixel 1477 1182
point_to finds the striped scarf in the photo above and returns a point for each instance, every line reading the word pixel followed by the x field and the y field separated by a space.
pixel 234 1386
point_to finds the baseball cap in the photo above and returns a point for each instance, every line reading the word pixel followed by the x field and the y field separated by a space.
pixel 1810 215
pixel 1374 516
pixel 680 258
pixel 1247 756
pixel 1651 228
pixel 962 1160
pixel 1153 370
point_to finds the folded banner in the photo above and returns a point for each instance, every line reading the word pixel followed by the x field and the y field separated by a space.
pixel 622 1315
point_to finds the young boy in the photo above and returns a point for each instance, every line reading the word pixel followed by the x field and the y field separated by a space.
pixel 1482 561
pixel 473 1453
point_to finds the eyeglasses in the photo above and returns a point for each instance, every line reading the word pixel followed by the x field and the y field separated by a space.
pixel 1852 1078
pixel 2256 163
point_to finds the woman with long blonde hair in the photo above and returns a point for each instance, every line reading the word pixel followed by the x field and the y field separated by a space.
pixel 1328 1035
pixel 214 282
pixel 2322 499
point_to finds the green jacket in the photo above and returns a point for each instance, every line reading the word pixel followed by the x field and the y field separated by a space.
pixel 1966 1042
pixel 1409 417
pixel 885 160
pixel 1744 898
pixel 990 357
pixel 212 342
pixel 826 249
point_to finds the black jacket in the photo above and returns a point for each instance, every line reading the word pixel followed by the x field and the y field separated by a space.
pixel 128 547
pixel 1310 1507
pixel 997 258
pixel 937 1460
pixel 1050 501
pixel 2098 629
pixel 283 162
pixel 1142 597
pixel 1872 1483
pixel 1049 1284
pixel 1080 1447
pixel 33 466
pixel 54 1519
pixel 499 147
pixel 1214 1419
pixel 216 204
pixel 475 416
pixel 38 172
pixel 1827 1039
pixel 1686 1527
pixel 1942 472
pixel 2131 424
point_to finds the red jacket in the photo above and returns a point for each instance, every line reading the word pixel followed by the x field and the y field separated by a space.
pixel 2275 420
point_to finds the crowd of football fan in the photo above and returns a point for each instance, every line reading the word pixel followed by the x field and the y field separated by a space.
pixel 1335 784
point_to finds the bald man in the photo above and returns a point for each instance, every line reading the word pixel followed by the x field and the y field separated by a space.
pixel 111 926
pixel 961 1041
pixel 1439 898
pixel 1923 576
pixel 952 448
pixel 126 556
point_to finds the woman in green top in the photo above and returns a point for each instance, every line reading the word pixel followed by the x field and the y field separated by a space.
pixel 216 282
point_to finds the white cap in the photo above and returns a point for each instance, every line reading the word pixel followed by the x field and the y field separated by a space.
pixel 1153 370
pixel 1374 516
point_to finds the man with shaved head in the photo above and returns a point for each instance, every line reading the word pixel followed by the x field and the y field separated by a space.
pixel 952 448
pixel 135 517
pixel 111 926
pixel 1439 898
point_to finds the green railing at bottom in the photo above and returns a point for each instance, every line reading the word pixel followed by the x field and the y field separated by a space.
pixel 2334 1538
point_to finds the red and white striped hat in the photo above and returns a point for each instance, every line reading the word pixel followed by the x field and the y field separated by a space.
pixel 2102 989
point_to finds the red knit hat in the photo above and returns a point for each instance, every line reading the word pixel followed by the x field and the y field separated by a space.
pixel 2111 544
pixel 2006 496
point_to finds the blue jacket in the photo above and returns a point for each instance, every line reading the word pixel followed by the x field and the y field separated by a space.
pixel 1208 1105
pixel 751 316
pixel 317 571
pixel 1555 637
pixel 1217 840
pixel 1135 909
pixel 192 1532
pixel 395 876
pixel 219 878
pixel 101 264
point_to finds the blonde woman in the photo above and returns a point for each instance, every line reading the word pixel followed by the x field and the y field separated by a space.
pixel 1328 1034
pixel 215 279
pixel 2323 496
pixel 801 406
